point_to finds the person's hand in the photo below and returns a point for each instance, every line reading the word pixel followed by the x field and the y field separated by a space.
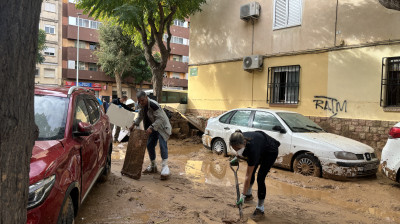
pixel 241 199
pixel 132 127
pixel 149 131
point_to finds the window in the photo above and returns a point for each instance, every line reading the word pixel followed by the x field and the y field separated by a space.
pixel 84 23
pixel 176 75
pixel 36 72
pixel 283 84
pixel 241 118
pixel 72 21
pixel 93 24
pixel 185 59
pixel 50 7
pixel 177 40
pixel 50 51
pixel 178 22
pixel 390 87
pixel 49 73
pixel 94 110
pixel 82 44
pixel 49 29
pixel 265 121
pixel 71 64
pixel 92 46
pixel 93 67
pixel 81 114
pixel 287 13
pixel 81 65
pixel 177 58
pixel 224 119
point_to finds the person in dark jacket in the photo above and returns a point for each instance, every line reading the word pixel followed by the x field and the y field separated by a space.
pixel 121 103
pixel 261 151
pixel 105 105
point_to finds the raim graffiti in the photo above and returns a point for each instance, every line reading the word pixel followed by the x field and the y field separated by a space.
pixel 330 104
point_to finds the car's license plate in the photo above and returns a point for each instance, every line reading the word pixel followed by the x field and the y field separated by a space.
pixel 369 167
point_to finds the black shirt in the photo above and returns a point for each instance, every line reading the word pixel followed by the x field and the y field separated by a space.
pixel 258 146
pixel 118 102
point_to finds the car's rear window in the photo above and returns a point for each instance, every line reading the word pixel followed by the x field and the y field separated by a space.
pixel 50 116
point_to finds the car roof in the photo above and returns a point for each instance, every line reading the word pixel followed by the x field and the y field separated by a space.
pixel 51 90
pixel 264 109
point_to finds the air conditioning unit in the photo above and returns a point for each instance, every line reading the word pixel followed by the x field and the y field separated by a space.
pixel 253 62
pixel 249 11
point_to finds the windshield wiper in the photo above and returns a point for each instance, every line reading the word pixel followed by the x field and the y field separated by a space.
pixel 310 126
pixel 304 129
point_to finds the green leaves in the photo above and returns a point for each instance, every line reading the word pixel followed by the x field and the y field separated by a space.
pixel 41 46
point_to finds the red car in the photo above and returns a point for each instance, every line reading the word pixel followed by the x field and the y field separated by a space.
pixel 72 151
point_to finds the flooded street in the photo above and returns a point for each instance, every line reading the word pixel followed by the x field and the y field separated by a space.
pixel 202 190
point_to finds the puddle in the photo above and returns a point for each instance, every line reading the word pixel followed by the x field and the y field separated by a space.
pixel 209 172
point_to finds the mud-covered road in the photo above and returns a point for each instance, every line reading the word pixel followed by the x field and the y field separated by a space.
pixel 202 190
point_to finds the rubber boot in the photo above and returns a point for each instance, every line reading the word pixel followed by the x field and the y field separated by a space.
pixel 165 174
pixel 152 168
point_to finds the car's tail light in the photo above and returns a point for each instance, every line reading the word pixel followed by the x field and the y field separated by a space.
pixel 395 132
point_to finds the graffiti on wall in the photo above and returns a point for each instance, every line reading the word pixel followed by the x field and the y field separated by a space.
pixel 330 104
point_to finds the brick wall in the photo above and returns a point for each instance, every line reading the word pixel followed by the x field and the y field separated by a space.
pixel 371 132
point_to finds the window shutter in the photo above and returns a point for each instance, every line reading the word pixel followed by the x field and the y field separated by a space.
pixel 71 64
pixel 280 13
pixel 294 12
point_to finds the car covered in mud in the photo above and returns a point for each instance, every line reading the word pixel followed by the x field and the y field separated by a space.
pixel 390 158
pixel 305 147
pixel 72 151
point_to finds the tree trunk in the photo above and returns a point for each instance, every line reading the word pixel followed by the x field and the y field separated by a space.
pixel 119 84
pixel 18 49
pixel 157 80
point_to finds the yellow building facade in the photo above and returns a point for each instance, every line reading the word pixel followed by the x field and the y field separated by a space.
pixel 334 61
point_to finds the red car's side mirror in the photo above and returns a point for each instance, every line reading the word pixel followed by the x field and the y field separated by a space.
pixel 83 129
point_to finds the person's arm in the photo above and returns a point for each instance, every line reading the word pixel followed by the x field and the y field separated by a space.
pixel 139 118
pixel 247 179
pixel 126 107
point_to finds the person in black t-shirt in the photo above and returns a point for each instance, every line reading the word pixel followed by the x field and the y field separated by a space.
pixel 261 151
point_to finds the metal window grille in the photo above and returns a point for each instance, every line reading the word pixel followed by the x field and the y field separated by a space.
pixel 390 82
pixel 283 85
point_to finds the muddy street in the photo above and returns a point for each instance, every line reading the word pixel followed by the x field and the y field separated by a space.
pixel 202 190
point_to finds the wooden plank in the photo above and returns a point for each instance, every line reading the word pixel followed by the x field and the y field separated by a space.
pixel 135 151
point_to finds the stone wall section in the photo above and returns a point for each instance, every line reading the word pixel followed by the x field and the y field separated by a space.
pixel 371 132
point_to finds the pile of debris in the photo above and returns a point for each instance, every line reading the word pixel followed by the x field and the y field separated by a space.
pixel 185 126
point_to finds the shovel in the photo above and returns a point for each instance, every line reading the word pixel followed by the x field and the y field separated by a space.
pixel 235 162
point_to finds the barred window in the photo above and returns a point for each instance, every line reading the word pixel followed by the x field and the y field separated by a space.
pixel 283 85
pixel 390 83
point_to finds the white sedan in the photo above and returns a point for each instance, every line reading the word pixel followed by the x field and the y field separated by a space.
pixel 391 155
pixel 305 147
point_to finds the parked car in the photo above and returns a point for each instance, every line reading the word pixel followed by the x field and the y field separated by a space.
pixel 305 147
pixel 72 151
pixel 390 158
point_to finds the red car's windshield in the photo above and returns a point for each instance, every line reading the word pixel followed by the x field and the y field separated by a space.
pixel 50 116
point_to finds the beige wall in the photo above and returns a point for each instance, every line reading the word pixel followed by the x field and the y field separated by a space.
pixel 226 86
pixel 53 41
pixel 217 33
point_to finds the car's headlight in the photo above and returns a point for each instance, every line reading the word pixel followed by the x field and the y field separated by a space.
pixel 39 191
pixel 345 155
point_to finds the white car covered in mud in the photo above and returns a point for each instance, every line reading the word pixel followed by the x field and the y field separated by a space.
pixel 391 154
pixel 305 147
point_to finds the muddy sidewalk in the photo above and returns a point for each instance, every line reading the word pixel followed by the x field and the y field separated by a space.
pixel 201 190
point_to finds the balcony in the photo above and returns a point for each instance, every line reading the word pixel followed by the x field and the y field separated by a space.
pixel 86 75
pixel 176 66
pixel 85 34
pixel 171 82
pixel 85 55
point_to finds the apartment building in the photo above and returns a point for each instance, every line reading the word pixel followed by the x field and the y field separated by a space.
pixel 337 62
pixel 177 66
pixel 49 72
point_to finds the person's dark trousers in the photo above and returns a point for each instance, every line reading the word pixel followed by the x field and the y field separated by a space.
pixel 265 165
pixel 152 143
pixel 117 130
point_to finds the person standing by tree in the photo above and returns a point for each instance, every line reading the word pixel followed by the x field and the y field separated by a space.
pixel 120 102
pixel 261 151
pixel 156 124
